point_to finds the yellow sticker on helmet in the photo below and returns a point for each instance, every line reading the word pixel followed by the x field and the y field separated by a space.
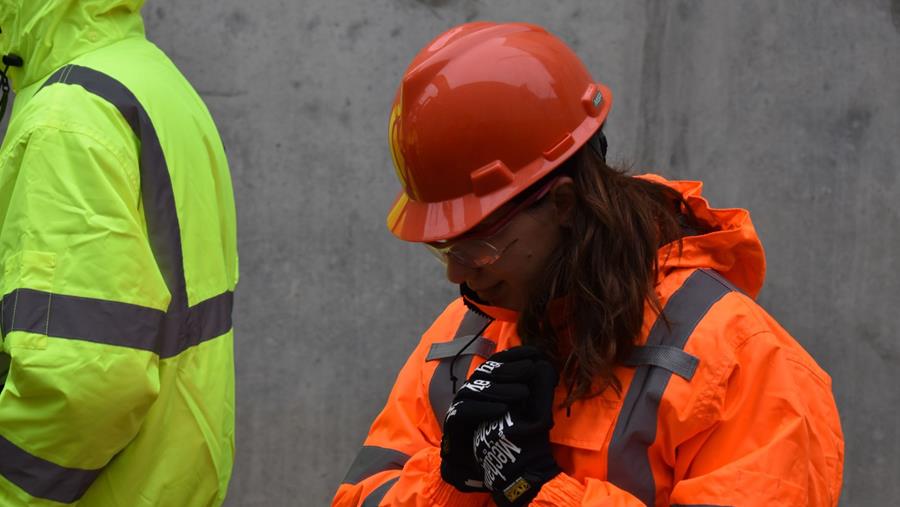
pixel 394 139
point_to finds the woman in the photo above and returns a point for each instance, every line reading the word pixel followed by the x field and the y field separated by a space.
pixel 634 367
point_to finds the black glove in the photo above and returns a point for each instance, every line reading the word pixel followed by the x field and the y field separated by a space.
pixel 497 385
pixel 514 449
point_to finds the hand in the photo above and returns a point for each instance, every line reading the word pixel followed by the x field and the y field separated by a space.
pixel 495 387
pixel 514 450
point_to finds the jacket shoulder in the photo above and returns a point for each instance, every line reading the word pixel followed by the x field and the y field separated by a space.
pixel 162 89
pixel 73 110
pixel 744 353
pixel 736 329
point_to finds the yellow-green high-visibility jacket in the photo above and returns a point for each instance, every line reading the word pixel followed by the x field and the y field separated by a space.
pixel 118 263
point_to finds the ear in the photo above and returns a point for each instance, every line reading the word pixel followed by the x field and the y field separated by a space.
pixel 562 196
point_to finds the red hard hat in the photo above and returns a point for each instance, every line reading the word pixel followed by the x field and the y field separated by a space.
pixel 482 112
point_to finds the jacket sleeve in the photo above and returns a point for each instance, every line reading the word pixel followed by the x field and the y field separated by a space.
pixel 775 437
pixel 78 274
pixel 399 463
pixel 770 436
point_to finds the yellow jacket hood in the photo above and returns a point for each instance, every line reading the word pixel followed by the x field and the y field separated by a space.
pixel 49 33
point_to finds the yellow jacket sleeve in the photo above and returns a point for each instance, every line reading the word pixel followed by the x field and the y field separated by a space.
pixel 78 278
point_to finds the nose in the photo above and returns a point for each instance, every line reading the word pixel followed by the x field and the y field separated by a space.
pixel 458 273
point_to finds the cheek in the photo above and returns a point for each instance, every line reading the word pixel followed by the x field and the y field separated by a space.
pixel 542 250
pixel 533 260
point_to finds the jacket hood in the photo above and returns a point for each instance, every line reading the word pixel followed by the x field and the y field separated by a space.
pixel 47 34
pixel 731 247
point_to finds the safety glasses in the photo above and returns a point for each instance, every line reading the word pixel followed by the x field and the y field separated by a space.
pixel 480 249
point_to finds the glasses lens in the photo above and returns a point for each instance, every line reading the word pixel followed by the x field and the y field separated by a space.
pixel 471 254
pixel 438 253
pixel 475 253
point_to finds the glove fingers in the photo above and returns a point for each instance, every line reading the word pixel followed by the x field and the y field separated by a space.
pixel 509 371
pixel 517 354
pixel 468 413
pixel 484 390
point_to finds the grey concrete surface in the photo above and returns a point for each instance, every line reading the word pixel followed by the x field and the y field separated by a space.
pixel 789 109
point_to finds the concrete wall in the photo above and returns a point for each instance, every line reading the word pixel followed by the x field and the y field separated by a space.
pixel 789 109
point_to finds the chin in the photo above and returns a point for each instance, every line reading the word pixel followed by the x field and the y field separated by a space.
pixel 505 304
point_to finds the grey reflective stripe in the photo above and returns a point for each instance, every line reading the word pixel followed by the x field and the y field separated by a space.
pixel 375 497
pixel 440 389
pixel 111 322
pixel 43 479
pixel 724 281
pixel 472 323
pixel 204 321
pixel 371 460
pixel 4 368
pixel 635 431
pixel 673 359
pixel 481 346
pixel 81 318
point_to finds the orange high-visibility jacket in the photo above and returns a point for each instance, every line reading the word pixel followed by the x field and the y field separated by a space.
pixel 722 407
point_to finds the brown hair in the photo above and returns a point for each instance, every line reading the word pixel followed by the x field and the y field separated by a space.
pixel 602 273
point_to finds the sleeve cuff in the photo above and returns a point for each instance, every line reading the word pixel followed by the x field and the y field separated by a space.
pixel 562 490
pixel 445 495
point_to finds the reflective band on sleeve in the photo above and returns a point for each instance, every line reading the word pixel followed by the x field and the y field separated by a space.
pixel 41 478
pixel 481 346
pixel 375 497
pixel 635 431
pixel 81 318
pixel 440 390
pixel 371 460
pixel 673 359
pixel 111 322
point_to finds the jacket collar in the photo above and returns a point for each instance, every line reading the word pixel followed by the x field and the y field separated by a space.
pixel 477 305
pixel 48 34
